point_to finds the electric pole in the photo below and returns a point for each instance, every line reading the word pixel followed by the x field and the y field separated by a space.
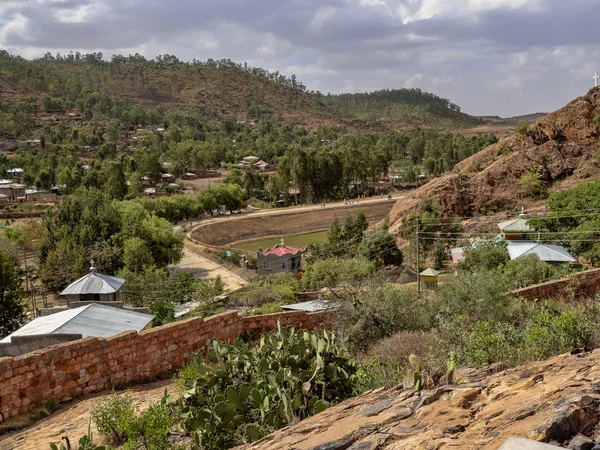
pixel 418 269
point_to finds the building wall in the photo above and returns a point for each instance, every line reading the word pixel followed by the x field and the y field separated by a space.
pixel 582 284
pixel 20 345
pixel 87 365
pixel 275 263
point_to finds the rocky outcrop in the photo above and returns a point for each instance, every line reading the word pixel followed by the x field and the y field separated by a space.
pixel 561 145
pixel 552 401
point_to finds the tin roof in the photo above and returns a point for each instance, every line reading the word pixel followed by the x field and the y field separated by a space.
pixel 94 283
pixel 430 273
pixel 90 320
pixel 312 306
pixel 282 249
pixel 517 225
pixel 546 252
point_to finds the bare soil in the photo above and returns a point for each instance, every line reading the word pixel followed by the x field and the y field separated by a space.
pixel 73 419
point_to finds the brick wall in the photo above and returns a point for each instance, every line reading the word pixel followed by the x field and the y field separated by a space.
pixel 75 368
pixel 582 284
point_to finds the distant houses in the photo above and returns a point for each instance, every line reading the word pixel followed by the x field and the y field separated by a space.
pixel 518 234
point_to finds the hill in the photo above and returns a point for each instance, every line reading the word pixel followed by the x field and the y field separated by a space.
pixel 559 150
pixel 401 107
pixel 223 88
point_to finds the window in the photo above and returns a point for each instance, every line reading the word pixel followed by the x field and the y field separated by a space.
pixel 282 266
pixel 267 265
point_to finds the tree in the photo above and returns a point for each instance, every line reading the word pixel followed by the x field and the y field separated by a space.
pixel 484 254
pixel 12 312
pixel 116 182
pixel 136 255
pixel 531 184
pixel 381 247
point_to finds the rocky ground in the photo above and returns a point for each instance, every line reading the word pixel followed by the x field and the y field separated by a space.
pixel 555 401
pixel 73 419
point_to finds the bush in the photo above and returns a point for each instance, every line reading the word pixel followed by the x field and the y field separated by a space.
pixel 240 394
pixel 164 312
pixel 523 129
pixel 531 184
pixel 484 254
pixel 150 430
pixel 113 417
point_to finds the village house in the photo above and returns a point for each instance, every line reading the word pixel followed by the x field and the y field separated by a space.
pixel 516 229
pixel 279 259
pixel 13 191
pixel 93 287
pixel 261 165
pixel 167 178
pixel 249 160
pixel 15 174
pixel 552 254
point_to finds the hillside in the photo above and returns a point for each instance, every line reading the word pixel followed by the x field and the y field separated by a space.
pixel 221 88
pixel 549 401
pixel 561 146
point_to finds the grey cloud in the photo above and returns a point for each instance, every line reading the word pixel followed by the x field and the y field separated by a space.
pixel 465 55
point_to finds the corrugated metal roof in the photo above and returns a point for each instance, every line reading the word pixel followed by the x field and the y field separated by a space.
pixel 430 273
pixel 546 252
pixel 90 320
pixel 94 283
pixel 517 225
pixel 312 306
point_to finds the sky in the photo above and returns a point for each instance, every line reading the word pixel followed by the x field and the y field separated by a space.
pixel 491 57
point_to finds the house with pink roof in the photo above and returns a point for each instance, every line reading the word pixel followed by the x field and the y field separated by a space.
pixel 281 258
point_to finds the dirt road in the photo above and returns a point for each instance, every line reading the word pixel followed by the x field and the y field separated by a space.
pixel 73 418
pixel 194 263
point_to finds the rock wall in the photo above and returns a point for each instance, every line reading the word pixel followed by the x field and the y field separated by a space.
pixel 582 284
pixel 75 368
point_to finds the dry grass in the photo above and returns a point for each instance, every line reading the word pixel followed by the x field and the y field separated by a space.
pixel 400 346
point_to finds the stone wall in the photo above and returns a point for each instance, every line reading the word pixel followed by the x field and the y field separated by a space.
pixel 69 370
pixel 582 284
pixel 20 345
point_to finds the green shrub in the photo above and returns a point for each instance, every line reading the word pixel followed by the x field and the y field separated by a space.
pixel 150 430
pixel 241 393
pixel 113 417
pixel 531 184
pixel 523 129
pixel 164 312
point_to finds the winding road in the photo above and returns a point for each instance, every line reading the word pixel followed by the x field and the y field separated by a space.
pixel 202 267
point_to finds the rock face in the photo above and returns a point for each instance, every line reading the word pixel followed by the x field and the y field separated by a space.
pixel 555 401
pixel 560 145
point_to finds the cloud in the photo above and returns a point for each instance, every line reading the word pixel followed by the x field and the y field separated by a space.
pixel 489 56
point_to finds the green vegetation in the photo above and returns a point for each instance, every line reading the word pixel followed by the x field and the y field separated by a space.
pixel 532 184
pixel 117 106
pixel 242 393
pixel 12 314
pixel 402 105
pixel 574 212
pixel 116 419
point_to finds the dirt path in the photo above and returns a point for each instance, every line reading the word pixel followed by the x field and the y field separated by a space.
pixel 194 263
pixel 73 418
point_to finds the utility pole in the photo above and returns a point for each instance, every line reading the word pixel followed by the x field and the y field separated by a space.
pixel 418 269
